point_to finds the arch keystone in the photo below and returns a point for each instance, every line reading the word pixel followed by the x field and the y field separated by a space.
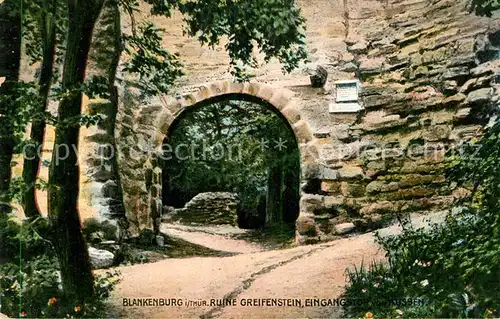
pixel 236 87
pixel 252 89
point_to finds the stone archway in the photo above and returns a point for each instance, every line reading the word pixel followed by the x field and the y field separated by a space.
pixel 282 100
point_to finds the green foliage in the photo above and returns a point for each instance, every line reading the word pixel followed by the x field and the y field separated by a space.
pixel 22 107
pixel 476 167
pixel 156 67
pixel 228 146
pixel 19 108
pixel 38 18
pixel 30 280
pixel 374 290
pixel 455 265
pixel 484 7
pixel 18 188
pixel 275 27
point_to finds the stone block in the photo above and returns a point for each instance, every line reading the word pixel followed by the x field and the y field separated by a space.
pixel 377 122
pixel 292 114
pixel 302 131
pixel 359 47
pixel 101 258
pixel 455 73
pixel 331 187
pixel 322 133
pixel 409 193
pixel 352 189
pixel 351 172
pixel 310 203
pixel 333 201
pixel 436 133
pixel 412 180
pixel 480 96
pixel 454 99
pixel 327 173
pixel 280 100
pixel 377 187
pixel 319 77
pixel 344 228
pixel 374 101
pixel 450 87
pixel 371 66
pixel 381 207
pixel 375 168
pixel 311 171
pixel 306 226
pixel 349 67
pixel 462 114
pixel 476 83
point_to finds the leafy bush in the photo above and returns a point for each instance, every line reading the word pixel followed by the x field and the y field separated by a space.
pixel 455 266
pixel 30 276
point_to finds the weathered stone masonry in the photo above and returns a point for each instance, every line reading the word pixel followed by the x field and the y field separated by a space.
pixel 429 73
pixel 143 197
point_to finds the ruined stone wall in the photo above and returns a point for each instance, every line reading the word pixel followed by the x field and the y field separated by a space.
pixel 99 180
pixel 428 71
pixel 219 208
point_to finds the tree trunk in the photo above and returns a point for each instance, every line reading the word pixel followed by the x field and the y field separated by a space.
pixel 291 196
pixel 10 61
pixel 274 196
pixel 64 219
pixel 32 159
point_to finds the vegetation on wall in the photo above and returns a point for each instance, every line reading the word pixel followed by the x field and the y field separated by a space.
pixel 452 269
pixel 484 7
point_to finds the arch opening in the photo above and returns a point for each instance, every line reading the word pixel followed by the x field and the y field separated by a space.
pixel 238 144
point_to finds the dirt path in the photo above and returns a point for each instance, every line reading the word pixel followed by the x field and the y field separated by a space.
pixel 302 272
pixel 305 272
pixel 212 238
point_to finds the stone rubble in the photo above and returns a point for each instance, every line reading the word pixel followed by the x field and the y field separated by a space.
pixel 217 208
pixel 101 258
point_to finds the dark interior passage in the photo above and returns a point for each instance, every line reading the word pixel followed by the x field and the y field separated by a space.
pixel 237 144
